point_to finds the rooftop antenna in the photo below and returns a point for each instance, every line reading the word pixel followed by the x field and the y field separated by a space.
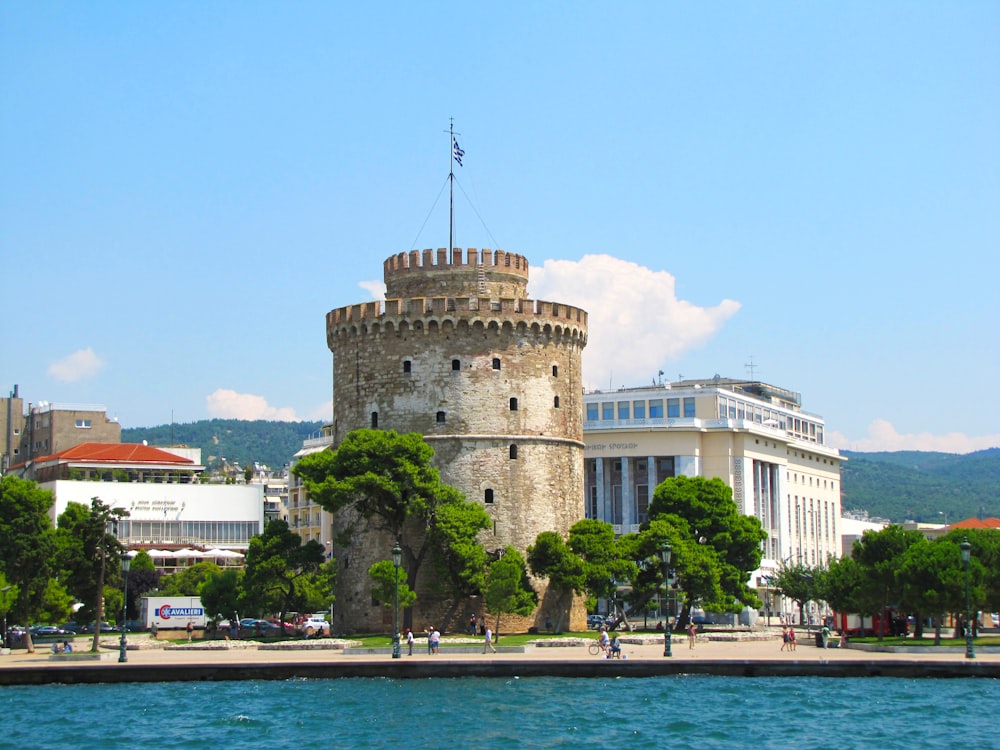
pixel 750 367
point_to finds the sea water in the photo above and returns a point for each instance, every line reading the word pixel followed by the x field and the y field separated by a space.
pixel 487 713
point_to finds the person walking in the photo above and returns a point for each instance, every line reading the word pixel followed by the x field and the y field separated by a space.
pixel 791 638
pixel 784 638
pixel 190 630
pixel 435 640
pixel 692 633
pixel 409 641
pixel 825 632
pixel 488 640
pixel 430 640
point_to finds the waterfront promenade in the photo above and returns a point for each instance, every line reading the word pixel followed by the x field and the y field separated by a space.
pixel 759 655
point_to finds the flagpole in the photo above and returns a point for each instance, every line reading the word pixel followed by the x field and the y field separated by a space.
pixel 451 184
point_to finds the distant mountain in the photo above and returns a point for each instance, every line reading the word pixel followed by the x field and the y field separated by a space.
pixel 236 440
pixel 900 486
pixel 922 486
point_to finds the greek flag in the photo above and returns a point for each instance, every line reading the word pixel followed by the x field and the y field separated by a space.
pixel 459 153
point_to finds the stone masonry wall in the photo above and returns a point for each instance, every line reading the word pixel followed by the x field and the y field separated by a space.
pixel 494 385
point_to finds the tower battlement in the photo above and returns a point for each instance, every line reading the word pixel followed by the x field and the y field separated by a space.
pixel 423 260
pixel 426 309
pixel 468 273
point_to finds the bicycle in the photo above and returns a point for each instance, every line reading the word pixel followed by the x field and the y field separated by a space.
pixel 595 648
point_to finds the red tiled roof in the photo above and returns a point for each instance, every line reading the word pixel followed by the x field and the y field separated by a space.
pixel 977 523
pixel 116 453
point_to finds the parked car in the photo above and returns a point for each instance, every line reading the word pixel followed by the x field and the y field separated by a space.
pixel 45 631
pixel 594 622
pixel 314 625
pixel 285 628
pixel 106 627
pixel 72 627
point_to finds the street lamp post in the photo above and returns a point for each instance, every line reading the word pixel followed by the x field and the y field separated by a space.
pixel 122 653
pixel 966 555
pixel 666 552
pixel 397 558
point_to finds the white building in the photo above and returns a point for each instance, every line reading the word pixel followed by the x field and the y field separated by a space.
pixel 167 506
pixel 751 435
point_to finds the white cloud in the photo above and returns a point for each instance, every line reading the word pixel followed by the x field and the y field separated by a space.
pixel 882 436
pixel 622 296
pixel 77 366
pixel 226 404
pixel 375 288
pixel 322 413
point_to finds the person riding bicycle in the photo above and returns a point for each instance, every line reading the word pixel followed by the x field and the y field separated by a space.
pixel 605 639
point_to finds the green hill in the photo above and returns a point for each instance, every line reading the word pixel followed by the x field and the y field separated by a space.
pixel 922 486
pixel 902 485
pixel 238 441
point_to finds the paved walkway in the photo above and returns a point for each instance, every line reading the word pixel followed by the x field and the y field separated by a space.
pixel 758 655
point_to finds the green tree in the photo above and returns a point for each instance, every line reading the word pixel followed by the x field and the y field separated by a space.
pixel 389 483
pixel 27 546
pixel 550 557
pixel 799 582
pixel 605 560
pixel 715 546
pixel 88 545
pixel 984 567
pixel 459 557
pixel 278 569
pixel 188 581
pixel 931 581
pixel 220 594
pixel 383 575
pixel 879 553
pixel 142 579
pixel 57 604
pixel 508 590
pixel 846 587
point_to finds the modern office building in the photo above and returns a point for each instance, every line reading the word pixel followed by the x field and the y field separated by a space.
pixel 753 436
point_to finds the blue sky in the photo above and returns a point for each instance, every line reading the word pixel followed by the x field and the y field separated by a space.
pixel 188 188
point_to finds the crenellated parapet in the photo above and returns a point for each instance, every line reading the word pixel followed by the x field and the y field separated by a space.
pixel 424 260
pixel 430 313
pixel 470 272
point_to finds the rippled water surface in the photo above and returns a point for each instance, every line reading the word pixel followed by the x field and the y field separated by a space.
pixel 480 713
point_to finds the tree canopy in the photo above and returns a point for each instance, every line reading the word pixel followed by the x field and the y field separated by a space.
pixel 279 571
pixel 508 590
pixel 388 483
pixel 715 547
pixel 28 544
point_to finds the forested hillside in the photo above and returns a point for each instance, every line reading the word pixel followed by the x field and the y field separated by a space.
pixel 904 485
pixel 923 486
pixel 238 441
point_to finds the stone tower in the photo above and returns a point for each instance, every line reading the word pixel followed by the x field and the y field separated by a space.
pixel 490 378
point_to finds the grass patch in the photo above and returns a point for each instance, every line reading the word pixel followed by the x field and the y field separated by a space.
pixel 928 641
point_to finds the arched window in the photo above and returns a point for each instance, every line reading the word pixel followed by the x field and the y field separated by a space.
pixel 407 365
pixel 513 451
pixel 440 417
pixel 513 404
pixel 496 363
pixel 555 371
pixel 488 497
pixel 555 402
pixel 456 365
pixel 374 420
